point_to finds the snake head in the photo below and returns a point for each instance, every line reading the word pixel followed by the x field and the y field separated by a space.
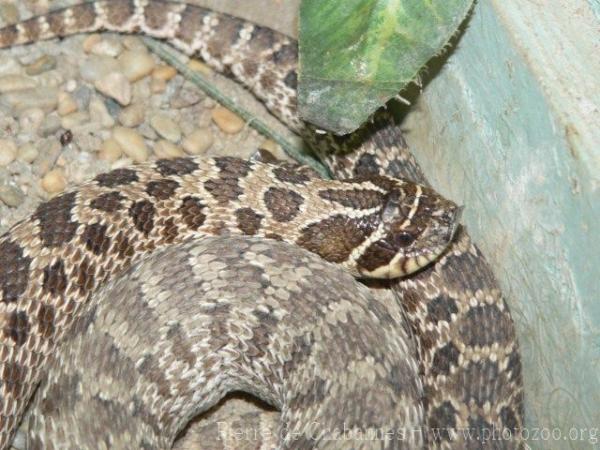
pixel 416 225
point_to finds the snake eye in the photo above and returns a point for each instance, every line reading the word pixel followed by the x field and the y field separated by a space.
pixel 404 239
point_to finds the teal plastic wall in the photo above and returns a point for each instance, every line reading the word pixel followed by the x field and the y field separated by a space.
pixel 511 131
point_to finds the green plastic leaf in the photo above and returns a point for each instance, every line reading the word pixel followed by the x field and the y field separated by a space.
pixel 357 54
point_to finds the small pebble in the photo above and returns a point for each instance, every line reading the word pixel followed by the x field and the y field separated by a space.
pixel 38 7
pixel 50 125
pixel 107 46
pixel 9 64
pixel 120 163
pixel 52 78
pixel 115 85
pixel 273 148
pixel 198 141
pixel 110 150
pixel 31 119
pixel 158 86
pixel 148 132
pixel 132 143
pixel 166 127
pixel 44 97
pixel 134 43
pixel 227 121
pixel 185 96
pixel 70 85
pixel 11 195
pixel 166 149
pixel 74 120
pixel 9 13
pixel 99 113
pixel 133 115
pixel 27 152
pixel 97 67
pixel 8 151
pixel 11 83
pixel 164 72
pixel 66 104
pixel 113 107
pixel 43 64
pixel 54 181
pixel 90 41
pixel 141 90
pixel 82 95
pixel 136 65
pixel 50 150
pixel 269 145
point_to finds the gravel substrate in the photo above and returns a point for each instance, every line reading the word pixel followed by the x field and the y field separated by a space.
pixel 73 108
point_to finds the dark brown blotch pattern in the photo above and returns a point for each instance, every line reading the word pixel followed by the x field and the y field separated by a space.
pixel 444 359
pixel 479 431
pixel 248 221
pixel 84 15
pixel 192 213
pixel 162 189
pixel 176 166
pixel 56 23
pixel 109 202
pixel 84 278
pixel 117 177
pixel 31 29
pixel 55 223
pixel 443 419
pixel 17 327
pixel 55 279
pixel 283 204
pixel 286 55
pixel 262 39
pixel 191 16
pixel 13 377
pixel 354 198
pixel 380 253
pixel 509 419
pixel 441 308
pixel 226 187
pixel 14 270
pixel 95 238
pixel 289 173
pixel 514 366
pixel 233 167
pixel 46 315
pixel 225 34
pixel 155 15
pixel 366 165
pixel 334 238
pixel 118 12
pixel 169 231
pixel 8 35
pixel 142 213
pixel 291 80
pixel 485 325
pixel 123 247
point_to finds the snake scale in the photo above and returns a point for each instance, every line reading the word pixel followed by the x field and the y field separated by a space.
pixel 371 225
pixel 294 319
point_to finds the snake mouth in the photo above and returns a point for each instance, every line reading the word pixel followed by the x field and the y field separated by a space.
pixel 401 265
